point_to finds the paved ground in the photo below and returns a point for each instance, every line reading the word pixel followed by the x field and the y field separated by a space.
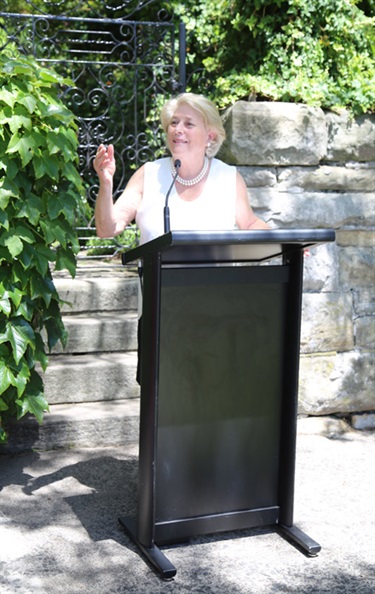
pixel 59 531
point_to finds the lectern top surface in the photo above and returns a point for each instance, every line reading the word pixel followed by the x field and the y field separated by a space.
pixel 229 246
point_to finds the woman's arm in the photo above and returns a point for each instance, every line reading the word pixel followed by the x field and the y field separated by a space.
pixel 112 218
pixel 245 217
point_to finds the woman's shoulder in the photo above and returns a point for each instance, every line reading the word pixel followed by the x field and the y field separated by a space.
pixel 156 174
pixel 219 168
pixel 157 163
pixel 220 165
pixel 154 170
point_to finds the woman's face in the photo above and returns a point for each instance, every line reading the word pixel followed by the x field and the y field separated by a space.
pixel 187 133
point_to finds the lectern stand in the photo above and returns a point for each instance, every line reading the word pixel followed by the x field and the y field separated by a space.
pixel 219 385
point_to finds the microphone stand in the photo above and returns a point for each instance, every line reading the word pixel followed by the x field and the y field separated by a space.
pixel 167 227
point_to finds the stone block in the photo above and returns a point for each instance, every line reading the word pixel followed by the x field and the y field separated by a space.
pixel 364 301
pixel 350 139
pixel 363 422
pixel 330 427
pixel 321 272
pixel 357 267
pixel 258 177
pixel 355 237
pixel 365 333
pixel 90 425
pixel 102 332
pixel 326 178
pixel 91 378
pixel 97 293
pixel 288 210
pixel 336 383
pixel 327 323
pixel 265 133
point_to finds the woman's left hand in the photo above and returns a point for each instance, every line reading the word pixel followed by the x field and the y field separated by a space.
pixel 104 162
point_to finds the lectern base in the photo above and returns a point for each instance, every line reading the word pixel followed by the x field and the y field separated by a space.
pixel 167 571
pixel 298 537
pixel 153 554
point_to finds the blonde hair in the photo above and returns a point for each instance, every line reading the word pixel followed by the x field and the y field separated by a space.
pixel 206 108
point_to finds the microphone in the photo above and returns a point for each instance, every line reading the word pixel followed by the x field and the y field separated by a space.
pixel 167 228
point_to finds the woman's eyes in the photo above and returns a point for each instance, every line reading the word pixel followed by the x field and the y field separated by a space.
pixel 187 124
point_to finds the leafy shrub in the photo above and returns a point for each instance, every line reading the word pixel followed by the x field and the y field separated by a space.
pixel 111 247
pixel 320 53
pixel 40 195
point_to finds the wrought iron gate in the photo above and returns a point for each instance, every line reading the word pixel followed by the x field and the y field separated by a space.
pixel 122 66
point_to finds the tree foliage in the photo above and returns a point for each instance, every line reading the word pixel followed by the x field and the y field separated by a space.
pixel 320 53
pixel 40 194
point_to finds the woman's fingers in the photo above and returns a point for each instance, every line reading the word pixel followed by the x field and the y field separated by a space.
pixel 104 159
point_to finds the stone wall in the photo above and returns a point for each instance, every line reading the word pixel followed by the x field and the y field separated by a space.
pixel 305 168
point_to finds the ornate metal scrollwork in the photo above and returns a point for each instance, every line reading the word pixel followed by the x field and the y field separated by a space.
pixel 122 70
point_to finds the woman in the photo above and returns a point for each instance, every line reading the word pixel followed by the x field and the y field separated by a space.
pixel 208 194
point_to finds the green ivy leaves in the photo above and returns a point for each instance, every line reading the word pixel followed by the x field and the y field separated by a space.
pixel 41 195
pixel 20 335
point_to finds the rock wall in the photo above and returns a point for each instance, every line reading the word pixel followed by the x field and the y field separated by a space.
pixel 305 168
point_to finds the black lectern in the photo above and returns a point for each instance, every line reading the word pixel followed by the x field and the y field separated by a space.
pixel 219 385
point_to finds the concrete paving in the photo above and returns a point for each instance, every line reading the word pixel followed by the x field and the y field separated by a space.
pixel 59 531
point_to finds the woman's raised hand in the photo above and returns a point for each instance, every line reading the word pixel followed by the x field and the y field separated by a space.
pixel 104 162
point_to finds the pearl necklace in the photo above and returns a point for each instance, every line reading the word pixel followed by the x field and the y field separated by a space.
pixel 195 180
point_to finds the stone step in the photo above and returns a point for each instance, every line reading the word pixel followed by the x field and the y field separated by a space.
pixel 99 332
pixel 90 377
pixel 90 292
pixel 97 424
pixel 90 385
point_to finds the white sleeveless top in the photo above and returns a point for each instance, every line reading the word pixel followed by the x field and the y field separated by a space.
pixel 213 210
